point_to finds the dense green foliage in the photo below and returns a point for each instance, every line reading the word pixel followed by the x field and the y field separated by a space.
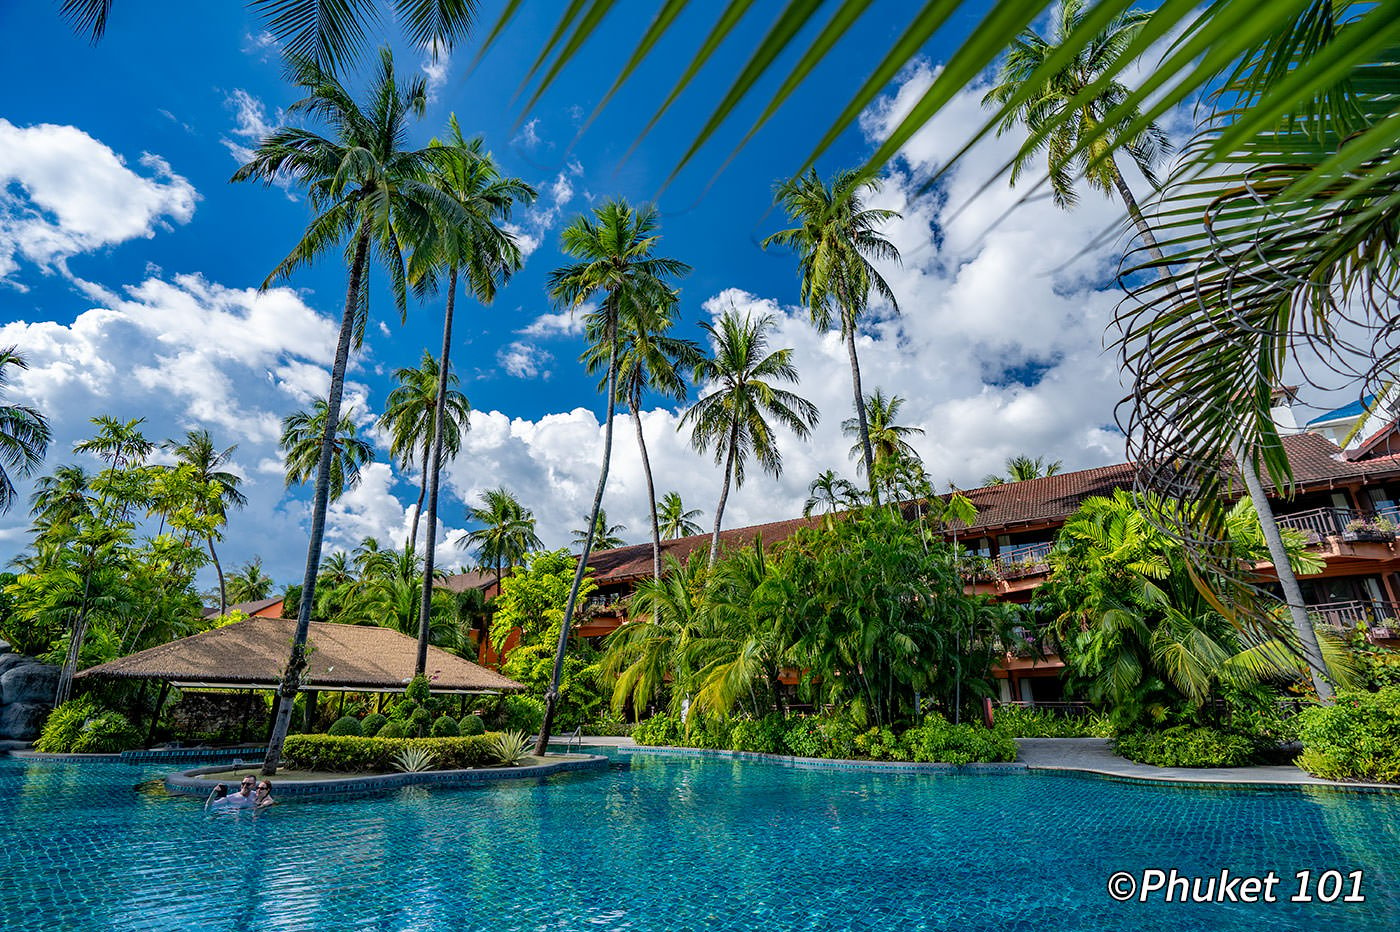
pixel 1022 722
pixel 869 609
pixel 347 726
pixel 359 755
pixel 80 726
pixel 933 740
pixel 1137 634
pixel 471 725
pixel 1356 739
pixel 445 727
pixel 1187 746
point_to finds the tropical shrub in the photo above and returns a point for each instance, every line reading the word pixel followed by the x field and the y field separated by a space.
pixel 346 726
pixel 659 730
pixel 878 744
pixel 80 726
pixel 764 735
pixel 711 732
pixel 445 727
pixel 1027 722
pixel 1358 738
pixel 804 738
pixel 471 725
pixel 359 755
pixel 370 724
pixel 419 723
pixel 417 690
pixel 508 748
pixel 936 739
pixel 522 713
pixel 390 729
pixel 1187 746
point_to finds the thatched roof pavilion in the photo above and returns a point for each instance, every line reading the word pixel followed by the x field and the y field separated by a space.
pixel 251 654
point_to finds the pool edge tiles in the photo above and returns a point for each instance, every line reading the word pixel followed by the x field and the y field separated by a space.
pixel 193 783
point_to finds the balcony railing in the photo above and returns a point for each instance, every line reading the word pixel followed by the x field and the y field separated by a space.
pixel 1345 616
pixel 1319 524
pixel 1026 560
pixel 1031 643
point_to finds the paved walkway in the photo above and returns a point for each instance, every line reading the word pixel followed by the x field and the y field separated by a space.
pixel 1092 755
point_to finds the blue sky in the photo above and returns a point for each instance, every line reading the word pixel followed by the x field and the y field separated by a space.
pixel 128 264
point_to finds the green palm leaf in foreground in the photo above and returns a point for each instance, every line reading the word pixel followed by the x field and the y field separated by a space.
pixel 1205 42
pixel 1284 254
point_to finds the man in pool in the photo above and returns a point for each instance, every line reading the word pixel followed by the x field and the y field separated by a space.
pixel 246 797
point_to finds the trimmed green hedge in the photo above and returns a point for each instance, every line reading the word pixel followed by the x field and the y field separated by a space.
pixel 934 740
pixel 1358 738
pixel 1187 746
pixel 358 755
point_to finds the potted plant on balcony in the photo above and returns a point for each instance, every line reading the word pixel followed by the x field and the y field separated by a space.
pixel 1373 530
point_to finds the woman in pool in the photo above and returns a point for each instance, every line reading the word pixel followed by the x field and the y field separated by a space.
pixel 263 797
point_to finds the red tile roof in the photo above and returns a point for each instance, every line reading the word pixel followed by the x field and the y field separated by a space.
pixel 1316 461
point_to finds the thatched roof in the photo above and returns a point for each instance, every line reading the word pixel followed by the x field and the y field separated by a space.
pixel 253 653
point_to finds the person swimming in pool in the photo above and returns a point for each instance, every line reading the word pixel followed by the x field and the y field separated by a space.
pixel 218 797
pixel 263 797
pixel 246 797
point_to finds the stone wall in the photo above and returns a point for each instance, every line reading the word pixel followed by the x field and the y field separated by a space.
pixel 27 689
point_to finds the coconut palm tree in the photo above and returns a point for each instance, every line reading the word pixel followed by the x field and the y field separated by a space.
pixel 248 583
pixel 835 238
pixel 733 419
pixel 303 439
pixel 675 520
pixel 648 359
pixel 1021 467
pixel 410 420
pixel 24 433
pixel 604 536
pixel 471 241
pixel 830 493
pixel 369 195
pixel 886 438
pixel 1066 124
pixel 331 32
pixel 615 253
pixel 206 462
pixel 507 532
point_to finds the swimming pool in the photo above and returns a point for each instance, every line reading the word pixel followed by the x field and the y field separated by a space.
pixel 677 843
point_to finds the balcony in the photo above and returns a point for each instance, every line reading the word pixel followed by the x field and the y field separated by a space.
pixel 1026 560
pixel 1381 619
pixel 1348 524
pixel 608 603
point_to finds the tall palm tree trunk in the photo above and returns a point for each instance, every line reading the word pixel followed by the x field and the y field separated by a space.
pixel 634 403
pixel 865 449
pixel 723 492
pixel 1135 212
pixel 432 473
pixel 1288 580
pixel 75 638
pixel 218 568
pixel 551 698
pixel 423 486
pixel 296 661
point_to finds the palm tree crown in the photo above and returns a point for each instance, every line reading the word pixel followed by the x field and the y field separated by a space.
pixel 1062 122
pixel 675 520
pixel 507 532
pixel 1021 467
pixel 733 419
pixel 302 433
pixel 886 437
pixel 835 238
pixel 605 536
pixel 24 433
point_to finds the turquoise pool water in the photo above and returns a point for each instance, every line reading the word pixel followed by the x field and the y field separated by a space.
pixel 678 843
